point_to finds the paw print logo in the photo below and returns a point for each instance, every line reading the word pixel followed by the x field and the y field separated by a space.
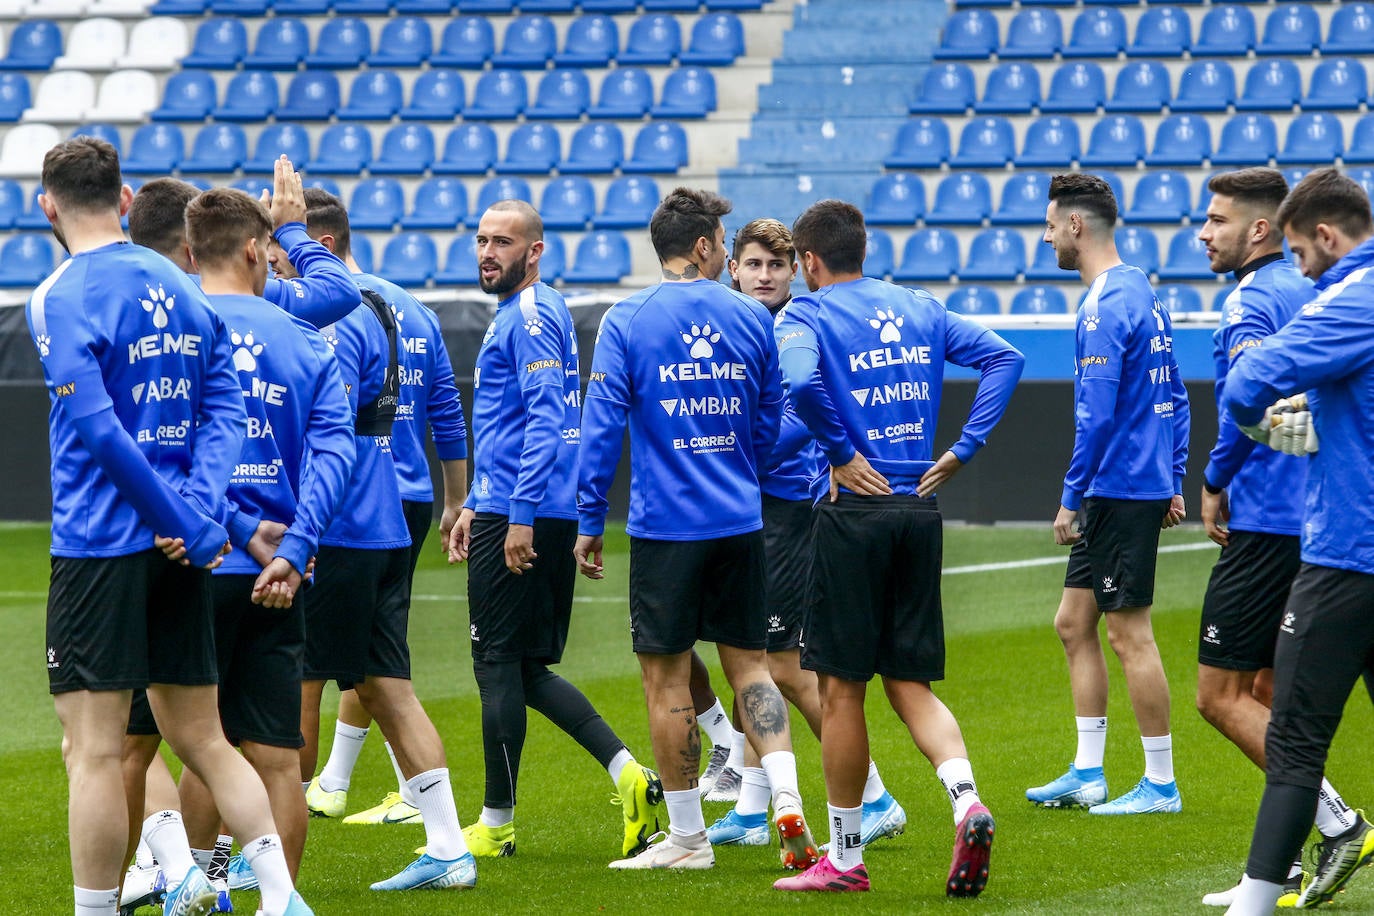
pixel 1212 633
pixel 330 338
pixel 246 351
pixel 1313 308
pixel 774 623
pixel 44 343
pixel 158 304
pixel 700 339
pixel 534 325
pixel 52 655
pixel 398 314
pixel 1235 314
pixel 1106 583
pixel 1090 322
pixel 472 630
pixel 1159 318
pixel 888 324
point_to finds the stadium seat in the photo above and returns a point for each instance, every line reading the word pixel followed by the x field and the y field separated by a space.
pixel 1050 141
pixel 1178 299
pixel 717 40
pixel 250 96
pixel 897 199
pixel 34 45
pixel 282 43
pixel 658 147
pixel 1138 247
pixel 968 35
pixel 25 260
pixel 1076 88
pixel 1162 31
pixel 1208 85
pixel 1011 88
pixel 406 41
pixel 929 254
pixel 1039 300
pixel 1024 198
pixel 985 143
pixel 1187 258
pixel 155 149
pixel 436 95
pixel 1161 196
pixel 672 6
pixel 252 185
pixel 562 94
pixel 946 89
pixel 1226 31
pixel 1181 139
pixel 1294 174
pixel 1097 33
pixel 276 140
pixel 626 94
pixel 688 92
pixel 101 131
pixel 568 202
pixel 1271 85
pixel 310 96
pixel 1116 140
pixel 156 43
pixel 653 40
pixel 1337 83
pixel 460 263
pixel 467 42
pixel 126 96
pixel 485 6
pixel 220 44
pixel 14 96
pixel 603 256
pixel 608 6
pixel 469 149
pixel 1361 141
pixel 240 7
pixel 11 202
pixel 62 97
pixel 361 248
pixel 377 203
pixel 300 7
pixel 974 300
pixel 594 148
pixel 1219 298
pixel 532 149
pixel 1044 264
pixel 592 40
pixel 1140 86
pixel 1351 30
pixel 1364 177
pixel 548 6
pixel 93 44
pixel 500 95
pixel 1033 33
pixel 879 254
pixel 409 259
pixel 361 7
pixel 188 96
pixel 1114 182
pixel 1314 138
pixel 179 7
pixel 406 149
pixel 375 95
pixel 218 150
pixel 995 254
pixel 1204 199
pixel 1247 139
pixel 343 43
pixel 1291 29
pixel 530 41
pixel 440 203
pixel 345 149
pixel 503 188
pixel 961 199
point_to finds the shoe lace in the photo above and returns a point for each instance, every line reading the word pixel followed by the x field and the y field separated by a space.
pixel 1322 853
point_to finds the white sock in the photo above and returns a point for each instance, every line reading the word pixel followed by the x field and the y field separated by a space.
pixel 1333 816
pixel 754 792
pixel 144 857
pixel 736 759
pixel 1092 742
pixel 684 813
pixel 1295 870
pixel 781 767
pixel 165 834
pixel 400 778
pixel 619 762
pixel 716 723
pixel 202 859
pixel 433 794
pixel 1159 759
pixel 873 788
pixel 268 861
pixel 956 774
pixel 1254 897
pixel 343 756
pixel 96 903
pixel 845 830
pixel 496 817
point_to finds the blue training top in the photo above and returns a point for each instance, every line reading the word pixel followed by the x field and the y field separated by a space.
pixel 324 292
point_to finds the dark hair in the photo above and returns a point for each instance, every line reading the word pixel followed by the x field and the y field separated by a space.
pixel 769 233
pixel 1085 193
pixel 833 231
pixel 325 215
pixel 1257 187
pixel 157 218
pixel 220 221
pixel 1326 196
pixel 83 174
pixel 684 216
pixel 534 223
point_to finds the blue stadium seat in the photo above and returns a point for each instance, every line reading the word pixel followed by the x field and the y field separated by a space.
pixel 1271 85
pixel 250 96
pixel 300 7
pixel 1351 30
pixel 1294 174
pixel 11 202
pixel 1076 88
pixel 345 149
pixel 188 96
pixel 1204 199
pixel 218 149
pixel 1178 299
pixel 608 6
pixel 968 35
pixel 879 254
pixel 469 149
pixel 626 94
pixel 974 300
pixel 1226 31
pixel 897 199
pixel 995 254
pixel 240 7
pixel 1208 85
pixel 630 201
pixel 1291 29
pixel 1364 177
pixel 1162 31
pixel 1247 139
pixel 688 92
pixel 1187 258
pixel 984 143
pixel 554 261
pixel 503 188
pixel 460 263
pixel 500 95
pixel 107 132
pixel 653 39
pixel 310 96
pixel 531 150
pixel 1033 33
pixel 592 40
pixel 179 7
pixel 1024 198
pixel 25 260
pixel 568 202
pixel 658 147
pixel 717 40
pixel 1114 182
pixel 1011 88
pixel 735 4
pixel 220 44
pixel 961 199
pixel 1138 247
pixel 946 89
pixel 359 7
pixel 406 41
pixel 529 43
pixel 375 95
pixel 1141 85
pixel 361 248
pixel 282 43
pixel 409 259
pixel 377 203
pixel 14 96
pixel 929 254
pixel 343 43
pixel 253 185
pixel 603 256
pixel 594 148
pixel 1039 300
pixel 276 139
pixel 440 203
pixel 1314 138
pixel 1337 84
pixel 672 6
pixel 1116 140
pixel 562 94
pixel 155 149
pixel 1161 196
pixel 1361 141
pixel 1181 139
pixel 1050 141
pixel 436 95
pixel 485 6
pixel 1219 299
pixel 1044 264
pixel 467 42
pixel 406 149
pixel 548 6
pixel 1097 33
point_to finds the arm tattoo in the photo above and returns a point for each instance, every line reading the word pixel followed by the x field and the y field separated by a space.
pixel 764 710
pixel 690 272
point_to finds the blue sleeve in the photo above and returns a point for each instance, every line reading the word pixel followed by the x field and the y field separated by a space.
pixel 445 407
pixel 1233 447
pixel 999 365
pixel 1100 352
pixel 1182 423
pixel 324 292
pixel 348 354
pixel 537 360
pixel 792 434
pixel 772 403
pixel 799 359
pixel 240 523
pixel 605 412
pixel 221 425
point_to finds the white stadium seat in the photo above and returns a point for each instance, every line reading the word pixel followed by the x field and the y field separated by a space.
pixel 125 96
pixel 62 98
pixel 92 44
pixel 21 154
pixel 157 43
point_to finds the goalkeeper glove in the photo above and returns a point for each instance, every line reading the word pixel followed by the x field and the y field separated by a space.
pixel 1286 427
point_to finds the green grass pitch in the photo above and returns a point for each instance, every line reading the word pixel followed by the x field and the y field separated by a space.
pixel 1007 684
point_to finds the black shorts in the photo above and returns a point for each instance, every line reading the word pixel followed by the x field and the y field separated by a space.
pixel 419 520
pixel 517 617
pixel 357 614
pixel 261 651
pixel 787 549
pixel 684 591
pixel 876 575
pixel 1117 554
pixel 118 623
pixel 141 721
pixel 1245 599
